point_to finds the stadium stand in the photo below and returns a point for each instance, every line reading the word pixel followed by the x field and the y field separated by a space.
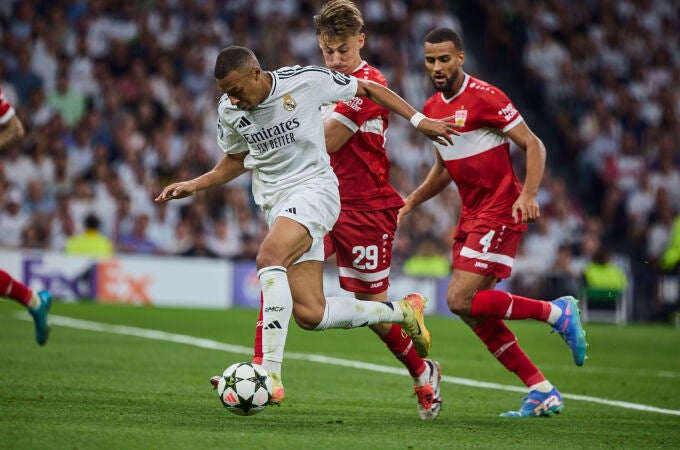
pixel 118 98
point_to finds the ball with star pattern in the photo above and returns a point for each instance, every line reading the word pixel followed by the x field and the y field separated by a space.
pixel 245 388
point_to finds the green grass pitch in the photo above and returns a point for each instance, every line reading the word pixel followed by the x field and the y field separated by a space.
pixel 103 387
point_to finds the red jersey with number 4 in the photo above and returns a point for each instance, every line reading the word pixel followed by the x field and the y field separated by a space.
pixel 361 164
pixel 6 110
pixel 479 162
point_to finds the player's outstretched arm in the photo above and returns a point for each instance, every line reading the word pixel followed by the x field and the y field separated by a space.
pixel 437 130
pixel 436 181
pixel 229 167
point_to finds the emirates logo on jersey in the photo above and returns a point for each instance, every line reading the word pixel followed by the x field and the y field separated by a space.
pixel 461 116
pixel 289 103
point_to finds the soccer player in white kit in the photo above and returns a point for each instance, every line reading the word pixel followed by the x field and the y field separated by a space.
pixel 362 237
pixel 271 123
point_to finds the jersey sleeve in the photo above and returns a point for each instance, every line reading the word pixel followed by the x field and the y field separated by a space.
pixel 353 113
pixel 6 110
pixel 332 86
pixel 229 140
pixel 499 111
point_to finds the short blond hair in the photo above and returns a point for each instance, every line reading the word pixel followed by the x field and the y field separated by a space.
pixel 338 19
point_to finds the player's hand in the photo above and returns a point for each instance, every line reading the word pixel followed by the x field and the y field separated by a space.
pixel 177 190
pixel 403 211
pixel 525 208
pixel 439 130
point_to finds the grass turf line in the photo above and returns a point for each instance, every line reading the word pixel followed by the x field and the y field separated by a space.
pixel 100 390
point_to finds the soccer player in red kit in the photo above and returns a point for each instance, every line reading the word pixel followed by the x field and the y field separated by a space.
pixel 362 237
pixel 38 304
pixel 496 207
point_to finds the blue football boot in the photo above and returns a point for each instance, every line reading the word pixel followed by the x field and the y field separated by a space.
pixel 39 314
pixel 569 327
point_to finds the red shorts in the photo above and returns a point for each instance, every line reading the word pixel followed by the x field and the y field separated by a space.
pixel 362 242
pixel 485 247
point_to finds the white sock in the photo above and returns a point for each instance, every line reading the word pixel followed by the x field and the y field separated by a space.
pixel 276 311
pixel 543 386
pixel 555 314
pixel 34 302
pixel 344 312
pixel 423 378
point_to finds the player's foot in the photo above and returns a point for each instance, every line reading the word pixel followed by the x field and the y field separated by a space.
pixel 569 327
pixel 539 404
pixel 429 395
pixel 277 389
pixel 413 306
pixel 39 314
pixel 214 381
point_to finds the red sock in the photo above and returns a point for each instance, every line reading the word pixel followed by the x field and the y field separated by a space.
pixel 401 345
pixel 502 344
pixel 257 345
pixel 9 287
pixel 506 306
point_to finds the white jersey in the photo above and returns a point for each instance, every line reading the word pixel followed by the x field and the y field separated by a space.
pixel 284 134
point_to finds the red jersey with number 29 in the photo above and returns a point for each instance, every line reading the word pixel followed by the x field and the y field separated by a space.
pixel 361 164
pixel 479 160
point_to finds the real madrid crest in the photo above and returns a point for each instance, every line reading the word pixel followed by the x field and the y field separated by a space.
pixel 289 103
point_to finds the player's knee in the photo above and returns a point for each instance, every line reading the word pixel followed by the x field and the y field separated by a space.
pixel 265 259
pixel 307 318
pixel 459 305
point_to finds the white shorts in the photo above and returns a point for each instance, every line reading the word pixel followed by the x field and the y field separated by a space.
pixel 314 204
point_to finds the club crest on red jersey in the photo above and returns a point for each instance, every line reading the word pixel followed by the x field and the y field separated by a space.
pixel 460 116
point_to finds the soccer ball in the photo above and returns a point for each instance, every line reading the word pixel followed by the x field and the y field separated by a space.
pixel 245 388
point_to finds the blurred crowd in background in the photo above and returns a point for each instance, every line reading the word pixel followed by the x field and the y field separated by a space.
pixel 119 99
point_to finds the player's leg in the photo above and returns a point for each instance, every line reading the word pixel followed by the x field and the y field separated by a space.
pixel 399 343
pixel 489 249
pixel 286 241
pixel 362 242
pixel 426 373
pixel 503 345
pixel 562 314
pixel 499 340
pixel 315 208
pixel 297 225
pixel 257 343
pixel 37 303
pixel 14 289
pixel 312 311
pixel 483 253
pixel 329 250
